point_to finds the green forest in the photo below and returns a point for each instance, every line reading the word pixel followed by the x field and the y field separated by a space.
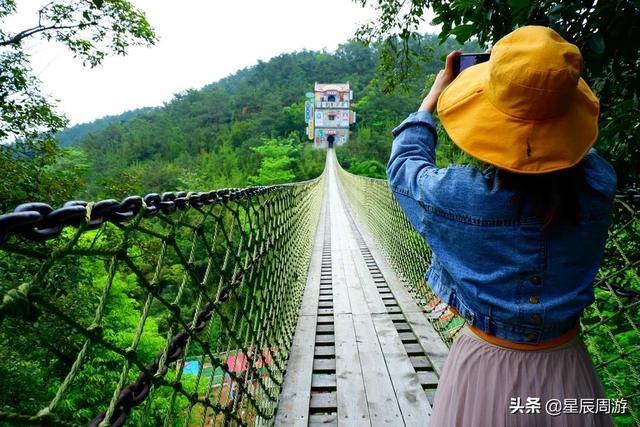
pixel 244 130
pixel 224 134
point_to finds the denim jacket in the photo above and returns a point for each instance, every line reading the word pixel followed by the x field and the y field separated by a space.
pixel 490 261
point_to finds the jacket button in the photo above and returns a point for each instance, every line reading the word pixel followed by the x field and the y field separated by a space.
pixel 536 318
pixel 534 300
pixel 536 280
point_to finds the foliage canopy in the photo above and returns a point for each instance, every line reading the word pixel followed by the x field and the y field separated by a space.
pixel 607 33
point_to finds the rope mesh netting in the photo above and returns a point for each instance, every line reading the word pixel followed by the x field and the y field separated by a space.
pixel 174 310
pixel 610 326
pixel 179 309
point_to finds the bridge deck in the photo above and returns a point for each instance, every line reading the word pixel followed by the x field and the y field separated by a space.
pixel 363 352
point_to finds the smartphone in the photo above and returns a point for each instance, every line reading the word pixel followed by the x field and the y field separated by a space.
pixel 467 60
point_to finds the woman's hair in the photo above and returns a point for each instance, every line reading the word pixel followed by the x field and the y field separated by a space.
pixel 554 195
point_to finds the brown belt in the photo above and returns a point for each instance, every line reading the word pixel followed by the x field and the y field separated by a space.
pixel 542 345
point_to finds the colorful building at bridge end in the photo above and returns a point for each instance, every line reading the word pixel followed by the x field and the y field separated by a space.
pixel 328 114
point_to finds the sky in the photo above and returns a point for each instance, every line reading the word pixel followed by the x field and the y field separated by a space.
pixel 200 42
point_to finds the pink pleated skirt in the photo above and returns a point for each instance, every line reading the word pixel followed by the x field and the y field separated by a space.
pixel 483 384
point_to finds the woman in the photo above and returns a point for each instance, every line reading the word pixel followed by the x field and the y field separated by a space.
pixel 516 246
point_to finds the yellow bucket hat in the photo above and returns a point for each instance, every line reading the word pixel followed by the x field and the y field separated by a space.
pixel 525 110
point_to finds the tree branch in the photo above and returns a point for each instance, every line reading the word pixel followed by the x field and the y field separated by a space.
pixel 39 29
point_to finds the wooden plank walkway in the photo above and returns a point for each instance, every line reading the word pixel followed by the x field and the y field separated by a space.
pixel 363 353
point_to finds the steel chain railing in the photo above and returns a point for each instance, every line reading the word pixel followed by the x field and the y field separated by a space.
pixel 610 326
pixel 208 287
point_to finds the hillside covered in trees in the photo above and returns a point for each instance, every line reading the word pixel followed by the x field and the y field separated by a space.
pixel 72 135
pixel 221 135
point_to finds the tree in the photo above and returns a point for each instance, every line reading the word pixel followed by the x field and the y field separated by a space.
pixel 605 31
pixel 91 30
pixel 276 164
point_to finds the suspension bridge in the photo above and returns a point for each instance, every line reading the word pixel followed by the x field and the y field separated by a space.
pixel 296 304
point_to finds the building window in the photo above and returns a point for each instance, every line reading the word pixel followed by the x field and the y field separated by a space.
pixel 332 116
pixel 331 98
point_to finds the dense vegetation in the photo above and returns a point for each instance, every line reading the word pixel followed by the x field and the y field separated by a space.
pixel 33 166
pixel 607 33
pixel 72 135
pixel 246 129
pixel 90 29
pixel 219 136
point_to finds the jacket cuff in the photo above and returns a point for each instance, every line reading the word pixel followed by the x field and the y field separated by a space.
pixel 415 119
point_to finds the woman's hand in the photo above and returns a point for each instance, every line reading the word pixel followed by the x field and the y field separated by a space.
pixel 443 79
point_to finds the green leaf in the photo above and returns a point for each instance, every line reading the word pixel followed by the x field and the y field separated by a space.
pixel 98 3
pixel 463 32
pixel 596 44
pixel 519 10
pixel 518 4
pixel 554 14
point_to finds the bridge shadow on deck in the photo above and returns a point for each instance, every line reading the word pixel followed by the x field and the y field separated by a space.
pixel 363 352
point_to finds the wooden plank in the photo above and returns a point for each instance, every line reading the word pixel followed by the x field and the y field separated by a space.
pixel 357 299
pixel 326 328
pixel 435 349
pixel 381 396
pixel 324 366
pixel 395 284
pixel 428 379
pixel 370 357
pixel 325 319
pixel 420 363
pixel 401 357
pixel 428 338
pixel 371 294
pixel 352 401
pixel 414 349
pixel 325 339
pixel 397 316
pixel 413 403
pixel 325 351
pixel 354 256
pixel 408 337
pixel 341 303
pixel 431 395
pixel 293 407
pixel 344 262
pixel 322 401
pixel 323 381
pixel 323 420
pixel 402 326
